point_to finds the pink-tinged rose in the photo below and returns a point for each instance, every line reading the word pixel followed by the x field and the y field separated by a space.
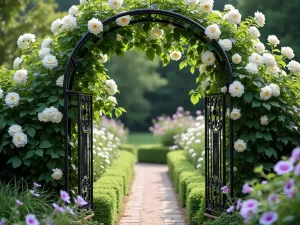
pixel 247 189
pixel 295 155
pixel 283 167
pixel 225 190
pixel 230 209
pixel 289 188
pixel 31 220
pixel 65 196
pixel 268 218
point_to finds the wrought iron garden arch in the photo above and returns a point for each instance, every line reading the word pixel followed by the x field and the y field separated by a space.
pixel 216 131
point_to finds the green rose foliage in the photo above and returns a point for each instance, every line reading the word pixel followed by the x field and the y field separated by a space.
pixel 45 150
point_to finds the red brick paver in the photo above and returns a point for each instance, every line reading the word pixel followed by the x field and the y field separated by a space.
pixel 152 200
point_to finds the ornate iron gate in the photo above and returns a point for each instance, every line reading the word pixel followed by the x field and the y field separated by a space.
pixel 82 104
pixel 215 152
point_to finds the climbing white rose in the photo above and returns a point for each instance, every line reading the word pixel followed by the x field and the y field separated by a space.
pixel 202 68
pixel 213 32
pixel 254 32
pixel 260 48
pixel 83 2
pixel 123 21
pixel 175 55
pixel 112 87
pixel 236 58
pixel 43 117
pixel 25 40
pixel 206 7
pixel 43 52
pixel 20 76
pixel 115 4
pixel 240 145
pixel 234 16
pixel 287 52
pixel 226 44
pixel 57 174
pixel 50 115
pixel 13 129
pixel 273 40
pixel 73 10
pixel 260 19
pixel 191 2
pixel 112 99
pixel 1 93
pixel 269 60
pixel 56 27
pixel 17 62
pixel 264 120
pixel 229 7
pixel 119 37
pixel 50 61
pixel 60 81
pixel 235 114
pixel 273 70
pixel 208 58
pixel 252 68
pixel 275 90
pixel 20 139
pixel 224 89
pixel 103 58
pixel 236 89
pixel 69 23
pixel 156 33
pixel 265 93
pixel 256 58
pixel 46 42
pixel 12 99
pixel 95 26
pixel 205 84
pixel 294 67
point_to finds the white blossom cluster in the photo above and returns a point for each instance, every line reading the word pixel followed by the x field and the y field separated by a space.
pixel 50 115
pixel 19 138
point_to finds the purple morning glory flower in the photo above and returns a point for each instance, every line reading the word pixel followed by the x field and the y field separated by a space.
pixel 268 218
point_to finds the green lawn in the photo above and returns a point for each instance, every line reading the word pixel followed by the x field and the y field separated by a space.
pixel 142 139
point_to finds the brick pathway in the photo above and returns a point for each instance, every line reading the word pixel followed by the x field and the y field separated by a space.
pixel 152 200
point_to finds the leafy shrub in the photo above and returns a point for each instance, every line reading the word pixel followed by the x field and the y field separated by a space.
pixel 225 219
pixel 167 127
pixel 129 148
pixel 152 153
pixel 110 189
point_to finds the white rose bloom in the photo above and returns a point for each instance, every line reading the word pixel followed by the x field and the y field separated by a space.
pixel 17 62
pixel 43 117
pixel 273 70
pixel 260 19
pixel 264 120
pixel 273 40
pixel 25 40
pixel 13 129
pixel 12 99
pixel 57 174
pixel 252 68
pixel 56 26
pixel 269 60
pixel 20 76
pixel 287 52
pixel 256 58
pixel 265 93
pixel 43 52
pixel 46 42
pixel 156 33
pixel 260 48
pixel 95 26
pixel 20 139
pixel 234 16
pixel 52 114
pixel 236 59
pixel 294 67
pixel 202 68
pixel 254 32
pixel 208 58
pixel 69 23
pixel 123 21
pixel 1 93
pixel 175 55
pixel 119 37
pixel 205 84
pixel 224 89
pixel 240 145
pixel 112 87
pixel 213 32
pixel 73 10
pixel 83 2
pixel 226 44
pixel 235 114
pixel 206 7
pixel 103 58
pixel 275 90
pixel 50 61
pixel 112 99
pixel 115 4
pixel 236 89
pixel 60 81
pixel 191 2
pixel 229 7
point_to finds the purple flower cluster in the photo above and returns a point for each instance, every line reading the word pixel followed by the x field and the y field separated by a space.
pixel 115 127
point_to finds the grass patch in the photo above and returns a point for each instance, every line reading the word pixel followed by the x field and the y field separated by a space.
pixel 142 139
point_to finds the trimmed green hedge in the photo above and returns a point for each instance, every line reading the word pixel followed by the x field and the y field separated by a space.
pixel 189 184
pixel 152 153
pixel 110 189
pixel 129 148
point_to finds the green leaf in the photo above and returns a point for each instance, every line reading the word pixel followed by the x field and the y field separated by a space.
pixel 5 143
pixel 281 118
pixel 2 124
pixel 248 97
pixel 51 164
pixel 267 106
pixel 53 98
pixel 268 137
pixel 195 98
pixel 23 113
pixel 259 169
pixel 259 134
pixel 39 152
pixel 16 163
pixel 274 104
pixel 45 144
pixel 150 53
pixel 256 103
pixel 31 132
pixel 29 154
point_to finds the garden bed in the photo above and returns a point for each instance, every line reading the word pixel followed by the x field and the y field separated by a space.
pixel 152 154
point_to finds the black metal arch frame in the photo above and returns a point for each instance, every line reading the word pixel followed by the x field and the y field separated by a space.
pixel 213 113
